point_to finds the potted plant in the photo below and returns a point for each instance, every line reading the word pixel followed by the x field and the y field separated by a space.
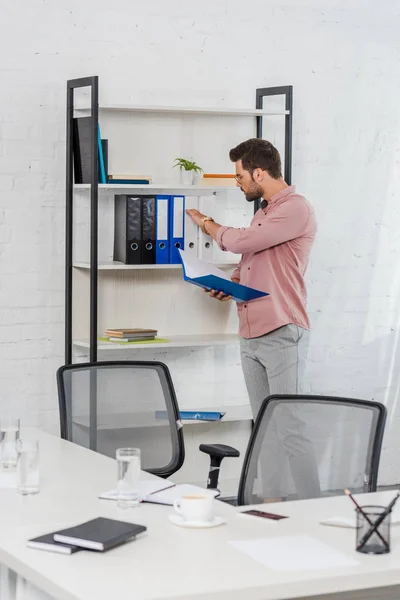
pixel 188 169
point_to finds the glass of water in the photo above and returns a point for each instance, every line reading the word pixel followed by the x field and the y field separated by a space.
pixel 128 461
pixel 28 467
pixel 9 436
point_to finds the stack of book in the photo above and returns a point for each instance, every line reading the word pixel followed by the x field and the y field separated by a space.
pixel 129 179
pixel 130 335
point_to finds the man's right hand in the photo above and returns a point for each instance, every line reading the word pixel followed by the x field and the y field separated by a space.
pixel 220 295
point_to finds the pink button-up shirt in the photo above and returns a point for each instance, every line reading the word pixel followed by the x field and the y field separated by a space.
pixel 275 251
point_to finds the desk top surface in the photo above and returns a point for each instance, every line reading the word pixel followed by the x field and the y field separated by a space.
pixel 168 561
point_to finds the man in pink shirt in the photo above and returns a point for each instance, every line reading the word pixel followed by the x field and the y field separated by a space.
pixel 275 250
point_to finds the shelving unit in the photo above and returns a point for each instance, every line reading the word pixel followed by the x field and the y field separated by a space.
pixel 158 187
pixel 228 112
pixel 175 341
pixel 143 273
pixel 118 266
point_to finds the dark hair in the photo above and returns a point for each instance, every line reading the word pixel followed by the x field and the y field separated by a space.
pixel 258 154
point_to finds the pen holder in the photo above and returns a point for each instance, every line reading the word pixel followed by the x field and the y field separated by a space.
pixel 370 537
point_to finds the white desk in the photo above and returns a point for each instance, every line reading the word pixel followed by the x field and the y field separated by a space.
pixel 170 562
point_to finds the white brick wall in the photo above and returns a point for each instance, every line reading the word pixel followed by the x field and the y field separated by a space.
pixel 341 56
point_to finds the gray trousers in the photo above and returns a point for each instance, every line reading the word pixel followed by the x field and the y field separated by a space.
pixel 271 365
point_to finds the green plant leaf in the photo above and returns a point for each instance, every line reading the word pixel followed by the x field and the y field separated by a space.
pixel 187 165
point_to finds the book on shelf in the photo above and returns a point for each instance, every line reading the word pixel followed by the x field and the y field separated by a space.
pixel 222 179
pixel 193 415
pixel 218 176
pixel 131 176
pixel 129 181
pixel 140 338
pixel 208 277
pixel 99 534
pixel 130 334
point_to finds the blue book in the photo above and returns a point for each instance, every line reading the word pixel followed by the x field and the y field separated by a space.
pixel 130 181
pixel 208 277
pixel 102 170
pixel 193 415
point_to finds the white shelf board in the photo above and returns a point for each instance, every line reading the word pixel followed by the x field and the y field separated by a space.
pixel 192 110
pixel 118 266
pixel 134 419
pixel 175 341
pixel 156 186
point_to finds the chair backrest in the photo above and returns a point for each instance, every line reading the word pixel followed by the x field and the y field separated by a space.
pixel 115 404
pixel 310 446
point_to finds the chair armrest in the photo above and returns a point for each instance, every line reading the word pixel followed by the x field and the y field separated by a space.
pixel 219 450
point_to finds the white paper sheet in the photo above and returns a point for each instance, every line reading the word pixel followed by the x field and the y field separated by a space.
pixel 294 553
pixel 148 491
pixel 194 267
pixel 351 522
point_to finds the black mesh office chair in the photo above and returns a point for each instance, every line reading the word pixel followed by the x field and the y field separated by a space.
pixel 312 446
pixel 112 404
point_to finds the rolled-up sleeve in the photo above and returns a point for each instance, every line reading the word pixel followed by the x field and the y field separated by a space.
pixel 287 222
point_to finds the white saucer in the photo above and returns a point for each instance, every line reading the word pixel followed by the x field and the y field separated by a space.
pixel 180 521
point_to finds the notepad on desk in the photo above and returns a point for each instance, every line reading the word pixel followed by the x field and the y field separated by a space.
pixel 46 542
pixel 162 492
pixel 209 277
pixel 99 534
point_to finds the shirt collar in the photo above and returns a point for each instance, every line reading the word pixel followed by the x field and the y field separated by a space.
pixel 278 196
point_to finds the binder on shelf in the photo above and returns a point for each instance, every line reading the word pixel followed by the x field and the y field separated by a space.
pixel 82 144
pixel 162 234
pixel 176 227
pixel 206 242
pixel 208 277
pixel 191 230
pixel 102 170
pixel 193 415
pixel 148 230
pixel 104 145
pixel 128 229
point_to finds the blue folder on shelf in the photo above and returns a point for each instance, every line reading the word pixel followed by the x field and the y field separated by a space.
pixel 162 230
pixel 207 276
pixel 193 415
pixel 176 227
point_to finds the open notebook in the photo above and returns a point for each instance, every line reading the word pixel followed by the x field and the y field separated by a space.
pixel 162 492
pixel 209 277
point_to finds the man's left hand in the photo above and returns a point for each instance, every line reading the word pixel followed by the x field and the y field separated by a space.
pixel 195 215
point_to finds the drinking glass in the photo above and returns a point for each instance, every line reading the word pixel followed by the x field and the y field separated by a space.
pixel 28 467
pixel 128 461
pixel 9 436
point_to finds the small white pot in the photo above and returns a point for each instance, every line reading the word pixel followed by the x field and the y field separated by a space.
pixel 187 177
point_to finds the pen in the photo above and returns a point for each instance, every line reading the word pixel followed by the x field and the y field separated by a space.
pixel 167 488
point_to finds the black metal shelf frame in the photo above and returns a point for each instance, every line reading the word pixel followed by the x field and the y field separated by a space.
pixel 93 84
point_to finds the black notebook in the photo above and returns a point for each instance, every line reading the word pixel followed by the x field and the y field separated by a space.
pixel 46 542
pixel 99 534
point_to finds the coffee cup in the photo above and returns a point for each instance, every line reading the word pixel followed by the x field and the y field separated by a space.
pixel 196 508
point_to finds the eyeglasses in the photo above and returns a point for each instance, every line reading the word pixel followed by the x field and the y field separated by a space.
pixel 240 177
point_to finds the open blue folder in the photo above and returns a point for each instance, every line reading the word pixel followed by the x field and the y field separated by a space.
pixel 207 276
